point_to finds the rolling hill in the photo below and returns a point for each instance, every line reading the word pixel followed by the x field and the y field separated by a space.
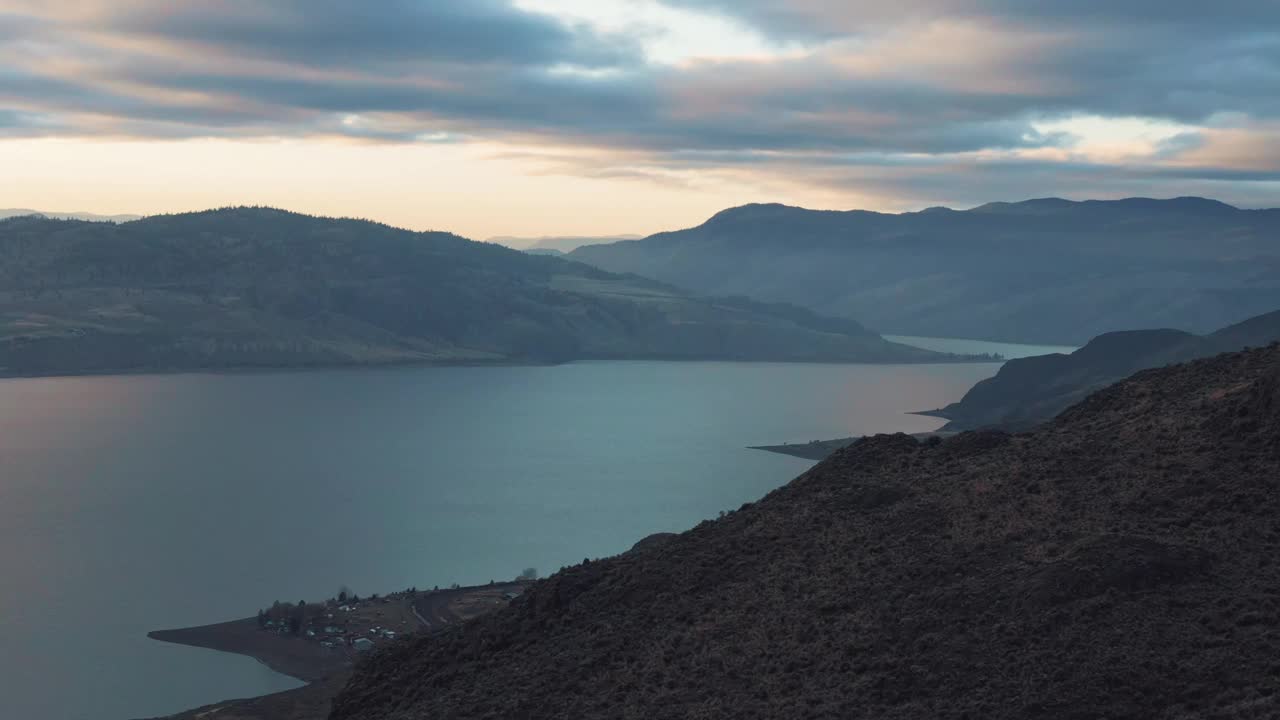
pixel 256 287
pixel 1041 271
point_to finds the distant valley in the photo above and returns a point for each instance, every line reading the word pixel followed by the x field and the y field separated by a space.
pixel 87 216
pixel 555 245
pixel 1040 271
pixel 256 287
pixel 1030 391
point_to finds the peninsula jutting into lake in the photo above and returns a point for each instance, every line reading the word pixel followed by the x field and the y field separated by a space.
pixel 319 643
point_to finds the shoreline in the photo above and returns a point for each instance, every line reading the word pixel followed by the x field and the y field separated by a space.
pixel 822 449
pixel 309 658
pixel 942 359
pixel 297 659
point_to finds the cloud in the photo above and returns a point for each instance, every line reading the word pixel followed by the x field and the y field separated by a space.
pixel 835 18
pixel 839 93
pixel 11 123
pixel 1250 150
pixel 377 33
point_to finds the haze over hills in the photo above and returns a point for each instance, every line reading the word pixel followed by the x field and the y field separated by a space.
pixel 1028 391
pixel 1040 271
pixel 558 244
pixel 1118 562
pixel 91 217
pixel 255 287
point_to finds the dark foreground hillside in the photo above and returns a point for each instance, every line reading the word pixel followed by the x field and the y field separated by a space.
pixel 1119 562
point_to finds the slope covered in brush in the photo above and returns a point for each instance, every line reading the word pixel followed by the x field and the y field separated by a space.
pixel 1119 562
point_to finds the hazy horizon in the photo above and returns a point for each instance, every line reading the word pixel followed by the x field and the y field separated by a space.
pixel 533 241
pixel 532 117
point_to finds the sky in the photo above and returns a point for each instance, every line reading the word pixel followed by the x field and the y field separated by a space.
pixel 599 117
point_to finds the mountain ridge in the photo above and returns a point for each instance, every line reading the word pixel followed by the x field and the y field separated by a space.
pixel 1046 271
pixel 261 287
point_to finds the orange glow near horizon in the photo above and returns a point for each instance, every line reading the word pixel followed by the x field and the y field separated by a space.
pixel 602 117
pixel 478 190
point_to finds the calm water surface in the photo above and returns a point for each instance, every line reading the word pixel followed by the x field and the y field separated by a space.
pixel 1008 351
pixel 129 504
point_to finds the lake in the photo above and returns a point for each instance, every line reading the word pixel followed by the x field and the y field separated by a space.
pixel 135 503
pixel 1009 351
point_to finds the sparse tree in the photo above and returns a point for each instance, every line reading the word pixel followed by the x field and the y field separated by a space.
pixel 298 618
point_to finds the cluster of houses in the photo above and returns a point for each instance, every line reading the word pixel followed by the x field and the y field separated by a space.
pixel 350 623
pixel 338 635
pixel 331 629
pixel 335 637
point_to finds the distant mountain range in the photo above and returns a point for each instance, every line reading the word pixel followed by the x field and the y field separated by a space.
pixel 1119 562
pixel 1029 391
pixel 558 244
pixel 90 217
pixel 1041 271
pixel 255 287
